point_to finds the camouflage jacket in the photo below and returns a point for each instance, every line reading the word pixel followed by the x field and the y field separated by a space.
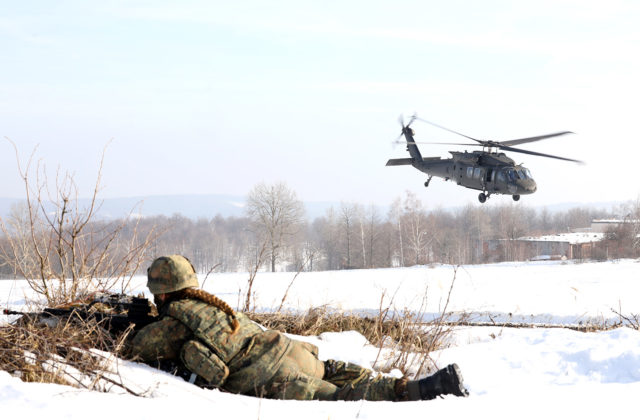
pixel 199 336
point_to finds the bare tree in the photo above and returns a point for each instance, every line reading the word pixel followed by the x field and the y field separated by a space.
pixel 415 224
pixel 395 217
pixel 347 224
pixel 59 247
pixel 472 226
pixel 512 222
pixel 373 232
pixel 635 226
pixel 622 240
pixel 276 214
pixel 544 220
pixel 259 251
pixel 363 243
pixel 327 237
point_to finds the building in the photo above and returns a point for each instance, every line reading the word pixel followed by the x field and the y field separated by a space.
pixel 606 225
pixel 571 246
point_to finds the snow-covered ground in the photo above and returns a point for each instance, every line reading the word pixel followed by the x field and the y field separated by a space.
pixel 510 373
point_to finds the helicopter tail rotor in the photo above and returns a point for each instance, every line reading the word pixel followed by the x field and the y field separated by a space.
pixel 402 124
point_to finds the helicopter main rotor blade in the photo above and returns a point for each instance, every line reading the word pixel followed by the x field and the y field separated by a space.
pixel 536 138
pixel 435 142
pixel 529 152
pixel 449 130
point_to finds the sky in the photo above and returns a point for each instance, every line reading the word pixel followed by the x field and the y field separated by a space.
pixel 202 97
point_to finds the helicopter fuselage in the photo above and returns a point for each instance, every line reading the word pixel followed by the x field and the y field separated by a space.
pixel 493 173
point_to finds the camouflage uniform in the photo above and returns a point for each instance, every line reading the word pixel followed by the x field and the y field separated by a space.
pixel 252 361
pixel 222 349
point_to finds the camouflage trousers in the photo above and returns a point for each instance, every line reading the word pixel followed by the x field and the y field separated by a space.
pixel 341 381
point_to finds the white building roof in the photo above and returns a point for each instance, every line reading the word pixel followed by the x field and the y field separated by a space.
pixel 572 238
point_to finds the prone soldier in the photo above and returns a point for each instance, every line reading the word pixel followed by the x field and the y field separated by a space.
pixel 221 348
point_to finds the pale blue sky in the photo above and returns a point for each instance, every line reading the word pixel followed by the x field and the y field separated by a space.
pixel 213 97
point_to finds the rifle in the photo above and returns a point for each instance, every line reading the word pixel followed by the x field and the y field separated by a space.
pixel 115 311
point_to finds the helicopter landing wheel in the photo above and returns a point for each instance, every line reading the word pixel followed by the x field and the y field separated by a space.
pixel 482 197
pixel 426 184
pixel 515 197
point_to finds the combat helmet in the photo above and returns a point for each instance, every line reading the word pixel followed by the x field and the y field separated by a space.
pixel 171 273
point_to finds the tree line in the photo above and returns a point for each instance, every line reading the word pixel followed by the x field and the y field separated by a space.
pixel 275 235
pixel 353 236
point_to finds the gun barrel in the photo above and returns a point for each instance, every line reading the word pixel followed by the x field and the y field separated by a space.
pixel 11 312
pixel 45 312
pixel 136 312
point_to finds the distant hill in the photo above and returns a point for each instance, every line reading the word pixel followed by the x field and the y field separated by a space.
pixel 196 206
pixel 602 205
pixel 192 206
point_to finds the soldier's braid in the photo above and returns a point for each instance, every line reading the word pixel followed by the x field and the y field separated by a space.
pixel 206 297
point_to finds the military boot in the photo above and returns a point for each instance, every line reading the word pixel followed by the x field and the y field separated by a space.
pixel 444 382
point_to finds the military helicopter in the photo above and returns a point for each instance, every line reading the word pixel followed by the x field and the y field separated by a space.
pixel 487 170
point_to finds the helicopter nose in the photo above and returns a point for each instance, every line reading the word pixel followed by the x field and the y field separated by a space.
pixel 527 187
pixel 531 188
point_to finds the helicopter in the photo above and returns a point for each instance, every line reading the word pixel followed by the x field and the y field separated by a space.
pixel 487 170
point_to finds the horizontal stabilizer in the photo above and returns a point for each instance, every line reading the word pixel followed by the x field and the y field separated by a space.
pixel 398 162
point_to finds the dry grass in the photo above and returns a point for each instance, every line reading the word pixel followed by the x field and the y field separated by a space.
pixel 60 350
pixel 631 320
pixel 403 336
pixel 407 339
pixel 319 320
pixel 41 350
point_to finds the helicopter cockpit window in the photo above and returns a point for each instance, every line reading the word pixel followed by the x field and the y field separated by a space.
pixel 501 176
pixel 521 174
pixel 511 175
pixel 477 173
pixel 527 173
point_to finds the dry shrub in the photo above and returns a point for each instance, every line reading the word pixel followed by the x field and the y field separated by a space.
pixel 405 338
pixel 409 339
pixel 59 245
pixel 404 328
pixel 319 320
pixel 411 352
pixel 60 350
pixel 631 320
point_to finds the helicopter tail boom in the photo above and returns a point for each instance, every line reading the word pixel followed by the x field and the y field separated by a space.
pixel 412 148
